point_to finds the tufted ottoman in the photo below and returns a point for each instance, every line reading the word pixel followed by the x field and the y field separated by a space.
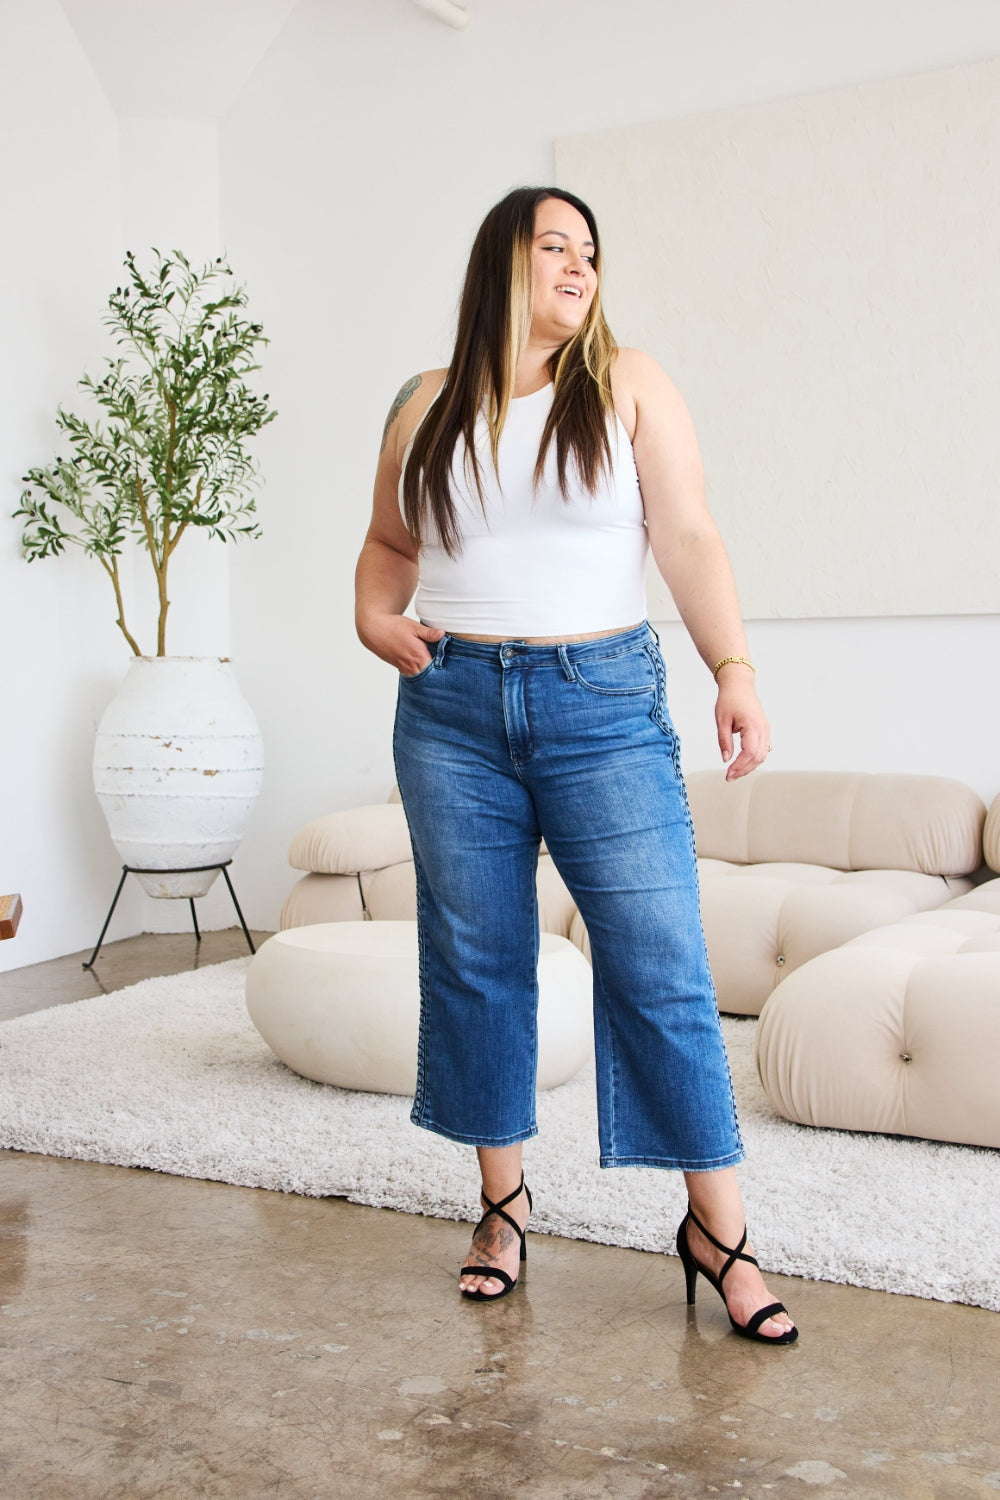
pixel 339 1003
pixel 898 1031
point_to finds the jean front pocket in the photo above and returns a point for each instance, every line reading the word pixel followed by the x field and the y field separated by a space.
pixel 629 674
pixel 416 676
pixel 437 660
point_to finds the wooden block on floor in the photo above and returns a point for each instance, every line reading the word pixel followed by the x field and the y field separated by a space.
pixel 10 915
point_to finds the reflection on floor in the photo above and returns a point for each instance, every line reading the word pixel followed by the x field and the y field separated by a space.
pixel 175 1338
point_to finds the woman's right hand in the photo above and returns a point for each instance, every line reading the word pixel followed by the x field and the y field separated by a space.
pixel 400 641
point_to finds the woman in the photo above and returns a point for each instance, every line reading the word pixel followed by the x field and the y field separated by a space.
pixel 520 488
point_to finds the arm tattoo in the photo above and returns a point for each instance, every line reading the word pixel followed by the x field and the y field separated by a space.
pixel 402 396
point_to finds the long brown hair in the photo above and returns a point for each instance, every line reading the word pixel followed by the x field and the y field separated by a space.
pixel 494 319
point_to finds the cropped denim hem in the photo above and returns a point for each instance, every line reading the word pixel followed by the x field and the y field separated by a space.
pixel 674 1166
pixel 469 1140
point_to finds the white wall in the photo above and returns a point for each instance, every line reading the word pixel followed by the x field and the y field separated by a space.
pixel 58 258
pixel 355 169
pixel 820 276
pixel 80 187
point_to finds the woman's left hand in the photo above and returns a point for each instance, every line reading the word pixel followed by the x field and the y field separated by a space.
pixel 738 712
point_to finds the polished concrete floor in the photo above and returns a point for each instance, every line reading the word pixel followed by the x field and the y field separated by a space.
pixel 165 1337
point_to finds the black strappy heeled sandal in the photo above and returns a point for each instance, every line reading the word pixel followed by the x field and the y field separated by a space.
pixel 494 1272
pixel 692 1266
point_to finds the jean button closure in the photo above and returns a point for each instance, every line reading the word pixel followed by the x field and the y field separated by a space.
pixel 507 653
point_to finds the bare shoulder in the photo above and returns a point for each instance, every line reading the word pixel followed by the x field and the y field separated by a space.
pixel 639 375
pixel 641 387
pixel 409 405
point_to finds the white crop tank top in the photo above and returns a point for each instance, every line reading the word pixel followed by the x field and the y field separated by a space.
pixel 536 562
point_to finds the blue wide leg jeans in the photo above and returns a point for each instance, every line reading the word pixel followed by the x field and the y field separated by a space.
pixel 496 747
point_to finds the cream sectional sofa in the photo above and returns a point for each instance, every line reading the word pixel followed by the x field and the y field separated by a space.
pixel 898 1030
pixel 792 865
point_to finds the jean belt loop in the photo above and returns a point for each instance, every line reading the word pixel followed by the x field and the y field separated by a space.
pixel 441 647
pixel 653 633
pixel 569 671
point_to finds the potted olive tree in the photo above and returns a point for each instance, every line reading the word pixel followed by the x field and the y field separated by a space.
pixel 178 759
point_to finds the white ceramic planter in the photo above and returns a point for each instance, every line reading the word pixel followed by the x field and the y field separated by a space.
pixel 178 764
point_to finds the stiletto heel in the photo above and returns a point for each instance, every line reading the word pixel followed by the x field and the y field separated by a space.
pixel 692 1266
pixel 688 1262
pixel 494 1272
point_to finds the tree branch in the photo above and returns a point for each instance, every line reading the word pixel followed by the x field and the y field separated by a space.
pixel 112 571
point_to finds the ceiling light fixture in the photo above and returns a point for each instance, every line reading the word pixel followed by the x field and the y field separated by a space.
pixel 448 11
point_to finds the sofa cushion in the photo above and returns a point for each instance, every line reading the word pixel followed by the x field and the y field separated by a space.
pixel 991 836
pixel 848 820
pixel 391 894
pixel 322 898
pixel 358 838
pixel 951 930
pixel 981 898
pixel 759 931
pixel 887 1040
pixel 897 1031
pixel 922 891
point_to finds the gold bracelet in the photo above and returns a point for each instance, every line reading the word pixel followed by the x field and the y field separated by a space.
pixel 740 661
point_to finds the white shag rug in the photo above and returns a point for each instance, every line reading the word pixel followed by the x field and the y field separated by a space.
pixel 171 1074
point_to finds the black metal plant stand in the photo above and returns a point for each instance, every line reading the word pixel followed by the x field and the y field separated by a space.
pixel 187 870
